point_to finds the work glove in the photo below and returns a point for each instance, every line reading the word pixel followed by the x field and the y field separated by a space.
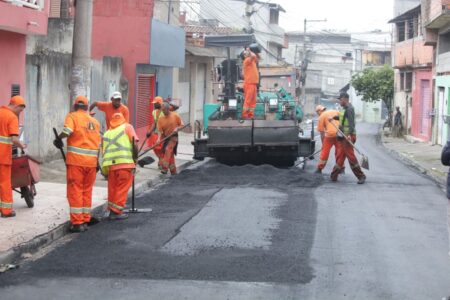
pixel 97 168
pixel 148 134
pixel 58 143
pixel 336 118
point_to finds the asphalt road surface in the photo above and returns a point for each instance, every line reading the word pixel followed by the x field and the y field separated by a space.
pixel 259 232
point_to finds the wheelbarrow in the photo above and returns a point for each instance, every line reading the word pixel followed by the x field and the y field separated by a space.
pixel 24 176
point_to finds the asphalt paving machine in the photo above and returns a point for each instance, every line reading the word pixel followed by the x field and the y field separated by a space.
pixel 273 136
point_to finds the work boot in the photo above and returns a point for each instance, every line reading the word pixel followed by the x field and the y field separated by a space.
pixel 113 216
pixel 76 228
pixel 11 215
pixel 361 180
pixel 318 171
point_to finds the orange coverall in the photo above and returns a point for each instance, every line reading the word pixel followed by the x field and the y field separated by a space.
pixel 9 126
pixel 120 178
pixel 166 126
pixel 251 81
pixel 109 110
pixel 328 132
pixel 83 145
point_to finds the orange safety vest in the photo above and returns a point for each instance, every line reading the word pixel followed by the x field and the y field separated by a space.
pixel 84 139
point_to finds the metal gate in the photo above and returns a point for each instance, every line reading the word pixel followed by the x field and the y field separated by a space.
pixel 145 93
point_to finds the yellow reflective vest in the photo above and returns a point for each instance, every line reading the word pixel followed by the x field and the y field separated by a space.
pixel 117 148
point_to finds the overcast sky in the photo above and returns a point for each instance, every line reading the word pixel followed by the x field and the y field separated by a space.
pixel 349 15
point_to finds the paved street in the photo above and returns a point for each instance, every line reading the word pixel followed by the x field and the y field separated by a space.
pixel 258 232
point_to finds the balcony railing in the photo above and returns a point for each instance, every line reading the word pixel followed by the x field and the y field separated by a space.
pixel 34 4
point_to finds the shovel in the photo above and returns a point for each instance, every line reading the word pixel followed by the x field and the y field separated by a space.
pixel 148 159
pixel 364 159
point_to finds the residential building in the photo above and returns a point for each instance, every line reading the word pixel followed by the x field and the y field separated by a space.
pixel 371 50
pixel 196 80
pixel 18 19
pixel 329 64
pixel 263 18
pixel 436 19
pixel 413 73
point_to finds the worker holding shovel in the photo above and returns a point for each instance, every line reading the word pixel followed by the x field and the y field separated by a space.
pixel 346 141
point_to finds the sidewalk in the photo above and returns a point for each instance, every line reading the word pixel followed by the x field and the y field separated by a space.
pixel 423 156
pixel 48 220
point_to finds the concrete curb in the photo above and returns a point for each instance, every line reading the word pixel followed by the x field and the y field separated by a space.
pixel 15 254
pixel 417 166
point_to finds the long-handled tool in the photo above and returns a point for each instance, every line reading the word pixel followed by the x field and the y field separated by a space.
pixel 58 138
pixel 364 158
pixel 159 143
pixel 133 208
pixel 309 157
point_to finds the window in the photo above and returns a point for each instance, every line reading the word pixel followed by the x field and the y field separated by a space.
pixel 400 32
pixel 444 43
pixel 402 81
pixel 15 90
pixel 406 79
pixel 274 13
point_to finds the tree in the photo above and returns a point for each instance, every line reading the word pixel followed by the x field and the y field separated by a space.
pixel 375 84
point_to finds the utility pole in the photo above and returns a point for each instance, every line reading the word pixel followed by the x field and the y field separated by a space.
pixel 80 80
pixel 249 11
pixel 304 65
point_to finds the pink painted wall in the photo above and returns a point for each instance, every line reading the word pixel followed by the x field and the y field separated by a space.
pixel 420 121
pixel 23 19
pixel 12 63
pixel 412 53
pixel 122 29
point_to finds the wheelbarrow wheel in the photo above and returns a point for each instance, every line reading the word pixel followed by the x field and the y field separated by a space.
pixel 28 195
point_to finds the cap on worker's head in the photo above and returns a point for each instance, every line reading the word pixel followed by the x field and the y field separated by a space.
pixel 81 100
pixel 117 120
pixel 343 95
pixel 157 99
pixel 17 100
pixel 116 95
pixel 320 108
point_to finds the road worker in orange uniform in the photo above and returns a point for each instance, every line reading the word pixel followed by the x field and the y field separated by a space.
pixel 168 125
pixel 251 81
pixel 110 108
pixel 83 144
pixel 119 163
pixel 152 134
pixel 9 136
pixel 328 134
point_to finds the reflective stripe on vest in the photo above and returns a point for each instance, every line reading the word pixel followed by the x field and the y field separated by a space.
pixel 344 125
pixel 5 140
pixel 82 151
pixel 117 147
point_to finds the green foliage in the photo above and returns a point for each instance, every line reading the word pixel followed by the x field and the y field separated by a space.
pixel 375 84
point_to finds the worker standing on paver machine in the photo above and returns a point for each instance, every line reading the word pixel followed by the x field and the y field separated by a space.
pixel 328 134
pixel 83 144
pixel 119 163
pixel 110 108
pixel 9 136
pixel 152 134
pixel 168 126
pixel 347 126
pixel 251 81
